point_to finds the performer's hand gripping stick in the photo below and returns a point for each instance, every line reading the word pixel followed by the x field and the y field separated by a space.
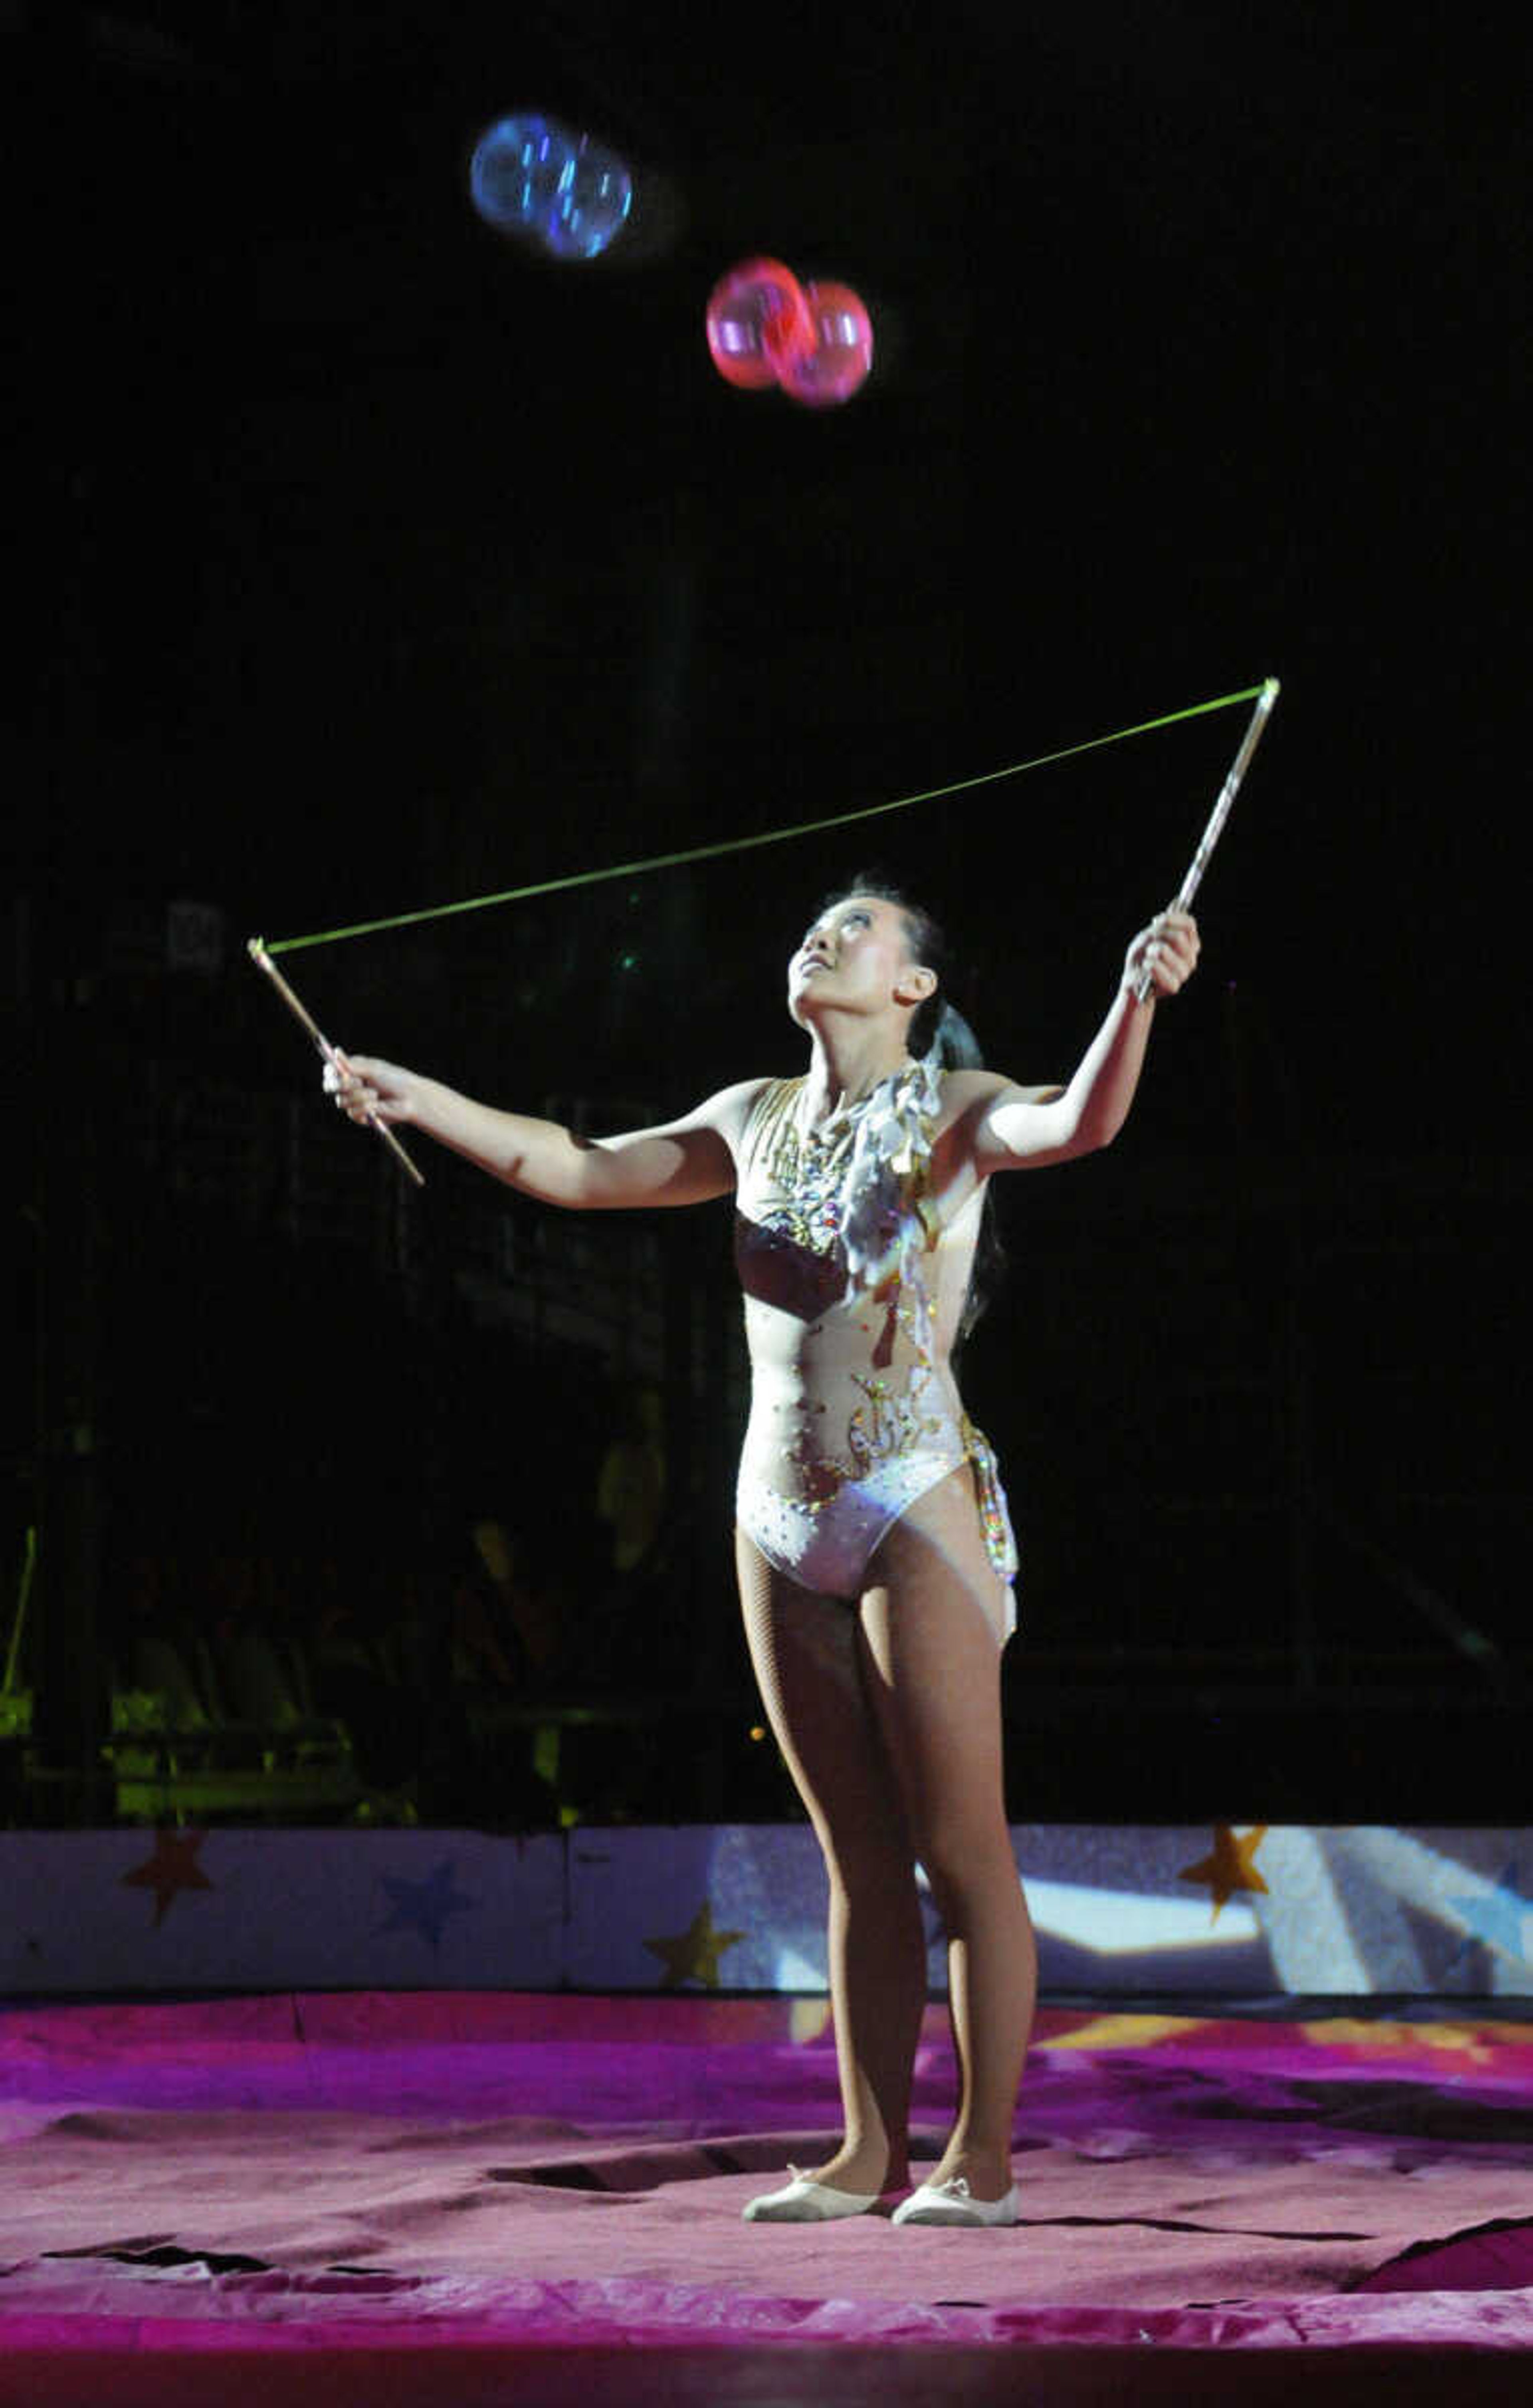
pixel 263 961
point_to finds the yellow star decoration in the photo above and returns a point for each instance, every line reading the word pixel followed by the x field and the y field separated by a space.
pixel 693 1955
pixel 1231 1866
pixel 1126 2031
pixel 1378 2037
pixel 171 1869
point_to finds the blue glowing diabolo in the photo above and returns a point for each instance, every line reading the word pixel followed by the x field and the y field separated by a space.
pixel 591 201
pixel 532 178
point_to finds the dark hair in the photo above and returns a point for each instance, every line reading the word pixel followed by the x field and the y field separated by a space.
pixel 938 1026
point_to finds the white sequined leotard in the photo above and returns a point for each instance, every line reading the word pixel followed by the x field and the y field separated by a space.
pixel 854 1290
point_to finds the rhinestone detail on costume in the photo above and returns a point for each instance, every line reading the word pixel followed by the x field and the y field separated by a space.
pixel 858 1187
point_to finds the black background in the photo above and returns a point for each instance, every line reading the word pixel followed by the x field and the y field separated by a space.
pixel 368 562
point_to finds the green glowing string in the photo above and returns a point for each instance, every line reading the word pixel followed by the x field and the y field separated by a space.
pixel 746 843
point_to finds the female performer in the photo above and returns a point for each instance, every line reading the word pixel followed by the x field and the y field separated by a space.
pixel 874 1552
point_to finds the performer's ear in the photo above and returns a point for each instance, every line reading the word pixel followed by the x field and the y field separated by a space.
pixel 915 984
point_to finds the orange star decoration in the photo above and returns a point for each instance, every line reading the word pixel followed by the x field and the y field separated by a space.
pixel 1231 1866
pixel 693 1955
pixel 171 1869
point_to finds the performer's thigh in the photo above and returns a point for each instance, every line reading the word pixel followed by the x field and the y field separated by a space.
pixel 808 1654
pixel 933 1628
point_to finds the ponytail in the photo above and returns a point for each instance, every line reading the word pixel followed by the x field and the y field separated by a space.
pixel 951 1042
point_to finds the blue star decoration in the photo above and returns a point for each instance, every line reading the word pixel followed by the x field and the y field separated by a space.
pixel 1495 1917
pixel 424 1906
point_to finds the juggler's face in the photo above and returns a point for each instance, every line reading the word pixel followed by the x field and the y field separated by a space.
pixel 855 957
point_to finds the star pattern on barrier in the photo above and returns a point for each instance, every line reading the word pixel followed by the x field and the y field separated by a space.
pixel 1495 1917
pixel 1230 1867
pixel 172 1868
pixel 693 1955
pixel 425 1906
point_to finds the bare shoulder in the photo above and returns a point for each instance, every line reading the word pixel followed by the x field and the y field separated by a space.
pixel 728 1110
pixel 722 1122
pixel 969 1095
pixel 686 1160
pixel 991 1121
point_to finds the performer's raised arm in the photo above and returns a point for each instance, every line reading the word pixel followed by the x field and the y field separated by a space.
pixel 684 1161
pixel 1015 1128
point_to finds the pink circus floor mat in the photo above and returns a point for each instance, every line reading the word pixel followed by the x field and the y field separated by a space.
pixel 471 2197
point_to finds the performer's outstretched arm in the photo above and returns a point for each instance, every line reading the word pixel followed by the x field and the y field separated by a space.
pixel 1016 1129
pixel 684 1161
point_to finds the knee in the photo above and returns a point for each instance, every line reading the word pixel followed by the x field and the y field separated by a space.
pixel 967 1871
pixel 868 1865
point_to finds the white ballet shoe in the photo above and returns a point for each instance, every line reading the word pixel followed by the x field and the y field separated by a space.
pixel 803 2200
pixel 953 2203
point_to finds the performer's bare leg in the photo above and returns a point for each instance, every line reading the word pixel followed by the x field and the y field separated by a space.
pixel 809 1660
pixel 933 1637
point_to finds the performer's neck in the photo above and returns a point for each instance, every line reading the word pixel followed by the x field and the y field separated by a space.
pixel 847 1064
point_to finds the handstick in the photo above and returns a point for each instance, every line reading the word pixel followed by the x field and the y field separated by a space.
pixel 1219 814
pixel 263 961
